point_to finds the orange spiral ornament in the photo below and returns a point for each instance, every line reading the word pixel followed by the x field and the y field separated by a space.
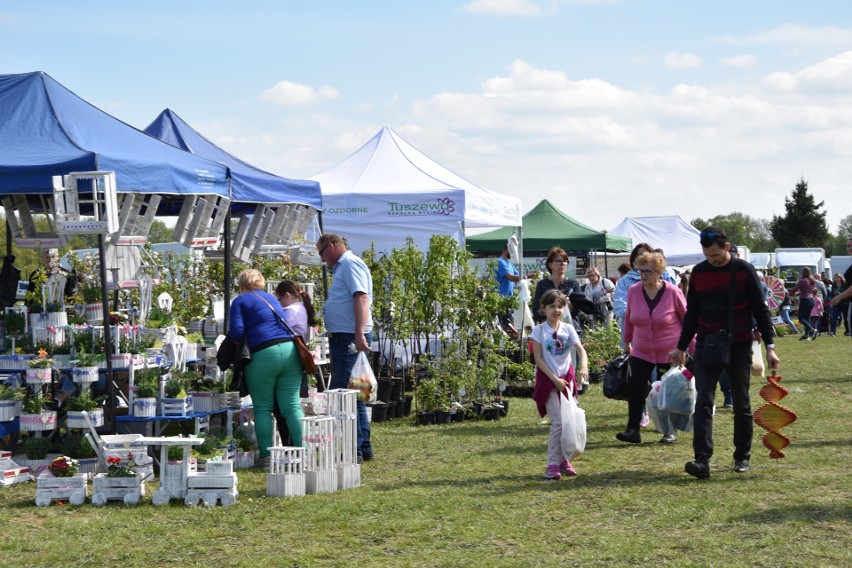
pixel 772 416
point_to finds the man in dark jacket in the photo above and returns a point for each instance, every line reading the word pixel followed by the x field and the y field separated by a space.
pixel 708 311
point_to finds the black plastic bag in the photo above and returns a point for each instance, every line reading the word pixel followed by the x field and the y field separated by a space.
pixel 615 378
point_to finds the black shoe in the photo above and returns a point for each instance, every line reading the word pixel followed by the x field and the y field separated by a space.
pixel 741 466
pixel 367 456
pixel 728 404
pixel 629 436
pixel 360 459
pixel 697 469
pixel 805 337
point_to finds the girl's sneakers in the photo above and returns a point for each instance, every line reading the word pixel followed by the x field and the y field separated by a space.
pixel 552 472
pixel 565 468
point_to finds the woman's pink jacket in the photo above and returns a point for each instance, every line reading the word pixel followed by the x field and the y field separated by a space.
pixel 654 336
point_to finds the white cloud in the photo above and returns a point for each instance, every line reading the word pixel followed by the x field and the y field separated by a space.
pixel 683 60
pixel 503 7
pixel 741 61
pixel 834 73
pixel 288 93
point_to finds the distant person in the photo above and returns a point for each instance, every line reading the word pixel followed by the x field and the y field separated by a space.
pixel 784 309
pixel 507 276
pixel 684 282
pixel 846 294
pixel 599 291
pixel 805 289
pixel 816 313
pixel 709 305
pixel 556 263
pixel 838 312
pixel 552 340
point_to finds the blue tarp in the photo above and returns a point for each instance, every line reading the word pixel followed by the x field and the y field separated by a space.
pixel 46 130
pixel 248 183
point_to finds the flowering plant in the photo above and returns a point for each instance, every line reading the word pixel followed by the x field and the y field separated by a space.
pixel 115 469
pixel 42 361
pixel 63 466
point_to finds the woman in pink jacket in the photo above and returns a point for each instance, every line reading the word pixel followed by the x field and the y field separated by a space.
pixel 652 326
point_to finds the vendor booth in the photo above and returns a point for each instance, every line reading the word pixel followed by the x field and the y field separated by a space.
pixel 678 239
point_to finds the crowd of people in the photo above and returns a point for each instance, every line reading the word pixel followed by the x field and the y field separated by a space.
pixel 707 318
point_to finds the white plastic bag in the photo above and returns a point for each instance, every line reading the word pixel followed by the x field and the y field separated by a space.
pixel 662 420
pixel 757 367
pixel 677 391
pixel 573 427
pixel 363 379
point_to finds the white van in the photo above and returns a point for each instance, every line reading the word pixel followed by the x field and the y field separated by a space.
pixel 791 261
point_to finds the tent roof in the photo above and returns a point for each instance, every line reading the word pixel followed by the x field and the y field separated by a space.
pixel 546 226
pixel 678 239
pixel 47 130
pixel 249 184
pixel 388 165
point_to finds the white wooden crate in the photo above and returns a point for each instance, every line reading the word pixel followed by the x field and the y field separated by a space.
pixel 72 489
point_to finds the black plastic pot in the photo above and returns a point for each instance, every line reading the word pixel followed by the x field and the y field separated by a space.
pixel 385 389
pixel 391 410
pixel 424 418
pixel 442 417
pixel 396 391
pixel 379 412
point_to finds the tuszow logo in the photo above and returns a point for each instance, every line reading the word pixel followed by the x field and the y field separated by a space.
pixel 444 206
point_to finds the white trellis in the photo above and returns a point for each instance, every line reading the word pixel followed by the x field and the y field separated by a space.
pixel 342 406
pixel 318 440
pixel 146 292
pixel 287 478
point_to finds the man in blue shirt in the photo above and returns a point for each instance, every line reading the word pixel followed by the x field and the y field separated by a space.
pixel 348 320
pixel 507 276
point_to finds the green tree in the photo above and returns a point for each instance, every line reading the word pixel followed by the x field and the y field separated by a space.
pixel 804 224
pixel 837 243
pixel 160 233
pixel 741 229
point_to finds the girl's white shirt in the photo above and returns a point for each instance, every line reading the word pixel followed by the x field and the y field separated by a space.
pixel 556 352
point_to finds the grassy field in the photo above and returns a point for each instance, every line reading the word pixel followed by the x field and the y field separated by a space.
pixel 473 494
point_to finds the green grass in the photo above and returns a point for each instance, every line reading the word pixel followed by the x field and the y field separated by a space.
pixel 472 494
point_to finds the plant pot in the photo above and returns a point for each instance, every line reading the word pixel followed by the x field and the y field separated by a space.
pixel 122 360
pixel 399 409
pixel 85 376
pixel 505 410
pixel 407 400
pixel 244 460
pixel 443 417
pixel 94 313
pixel 204 401
pixel 41 376
pixel 458 416
pixel 391 409
pixel 425 418
pixel 145 407
pixel 49 326
pixel 491 412
pixel 38 422
pixel 384 391
pixel 379 411
pixel 396 392
pixel 71 489
pixel 176 406
pixel 76 420
pixel 9 409
pixel 126 489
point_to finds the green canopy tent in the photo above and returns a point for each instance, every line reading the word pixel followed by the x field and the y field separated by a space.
pixel 546 226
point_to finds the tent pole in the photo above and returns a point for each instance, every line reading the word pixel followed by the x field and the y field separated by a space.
pixel 521 274
pixel 324 267
pixel 107 332
pixel 227 299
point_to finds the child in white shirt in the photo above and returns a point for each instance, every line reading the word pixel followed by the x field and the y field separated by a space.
pixel 552 342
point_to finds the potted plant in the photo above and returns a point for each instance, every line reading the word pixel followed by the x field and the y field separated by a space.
pixel 35 450
pixel 246 449
pixel 84 402
pixel 75 445
pixel 86 368
pixel 10 401
pixel 145 395
pixel 120 482
pixel 205 393
pixel 175 401
pixel 40 369
pixel 34 417
pixel 602 344
pixel 62 481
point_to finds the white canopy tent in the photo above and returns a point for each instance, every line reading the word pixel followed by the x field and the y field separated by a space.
pixel 678 239
pixel 388 190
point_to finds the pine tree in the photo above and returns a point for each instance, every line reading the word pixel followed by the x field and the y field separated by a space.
pixel 804 224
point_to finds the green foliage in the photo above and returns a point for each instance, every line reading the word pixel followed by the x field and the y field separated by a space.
pixel 741 229
pixel 75 445
pixel 804 224
pixel 8 392
pixel 33 404
pixel 36 447
pixel 175 388
pixel 83 401
pixel 244 442
pixel 602 345
pixel 14 322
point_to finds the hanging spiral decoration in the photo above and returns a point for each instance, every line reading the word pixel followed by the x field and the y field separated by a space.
pixel 772 416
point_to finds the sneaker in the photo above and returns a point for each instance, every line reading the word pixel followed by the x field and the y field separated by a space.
pixel 846 333
pixel 805 337
pixel 552 472
pixel 629 436
pixel 643 423
pixel 697 469
pixel 728 403
pixel 668 439
pixel 566 469
pixel 741 466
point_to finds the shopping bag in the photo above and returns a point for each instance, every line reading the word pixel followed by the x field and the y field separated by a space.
pixel 362 379
pixel 662 420
pixel 757 368
pixel 573 427
pixel 677 391
pixel 615 378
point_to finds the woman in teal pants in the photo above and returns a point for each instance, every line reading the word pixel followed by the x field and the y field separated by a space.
pixel 275 371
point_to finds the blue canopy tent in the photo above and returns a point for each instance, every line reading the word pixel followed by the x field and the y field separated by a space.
pixel 46 130
pixel 248 183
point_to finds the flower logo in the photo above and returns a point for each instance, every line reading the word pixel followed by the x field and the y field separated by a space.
pixel 449 206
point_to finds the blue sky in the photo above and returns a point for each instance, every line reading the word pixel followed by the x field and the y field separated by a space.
pixel 607 108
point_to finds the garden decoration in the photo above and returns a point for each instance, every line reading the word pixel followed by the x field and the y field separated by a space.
pixel 287 478
pixel 61 482
pixel 776 292
pixel 318 440
pixel 342 406
pixel 218 483
pixel 772 416
pixel 11 472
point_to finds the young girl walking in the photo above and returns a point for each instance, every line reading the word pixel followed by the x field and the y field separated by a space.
pixel 554 375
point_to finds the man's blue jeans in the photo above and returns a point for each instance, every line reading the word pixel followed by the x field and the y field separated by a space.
pixel 343 356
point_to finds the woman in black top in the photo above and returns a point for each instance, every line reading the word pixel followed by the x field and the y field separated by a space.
pixel 557 263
